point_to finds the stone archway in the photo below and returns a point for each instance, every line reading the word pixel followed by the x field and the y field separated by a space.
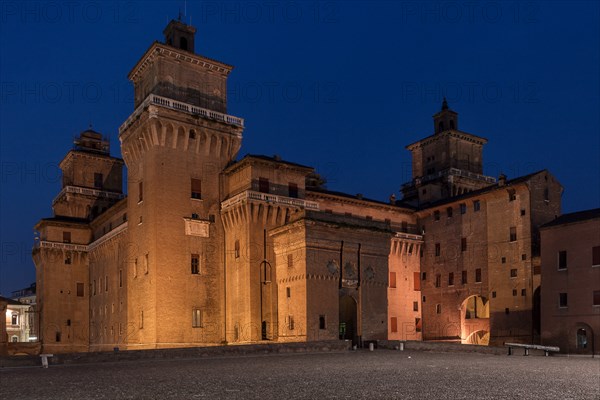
pixel 581 339
pixel 348 319
pixel 475 320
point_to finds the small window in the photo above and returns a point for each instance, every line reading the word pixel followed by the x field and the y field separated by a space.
pixel 438 250
pixel 66 237
pixel 135 268
pixel 449 212
pixel 493 294
pixel 236 250
pixel 512 195
pixel 57 337
pixel 393 324
pixel 451 279
pixel 290 260
pixel 596 298
pixel 94 287
pixel 476 205
pixel 196 318
pixel 192 134
pixel 562 259
pixel 463 244
pixel 463 208
pixel 438 280
pixel 195 264
pixel 596 256
pixel 140 191
pixel 463 277
pixel 288 292
pixel 513 273
pixel 418 325
pixel 503 260
pixel 141 320
pixel 423 299
pixel 522 212
pixel 415 306
pixel 436 215
pixel 322 322
pixel 120 278
pixel 514 292
pixel 98 180
pixel 196 188
pixel 562 300
pixel 506 311
pixel 537 269
pixel 106 283
pixel 392 279
pixel 263 185
pixel 146 263
pixel 424 276
pixel 513 234
pixel 478 275
pixel 523 292
pixel 79 289
pixel 292 190
pixel 438 308
pixel 416 282
pixel 68 258
pixel 290 322
pixel 523 257
pixel 14 319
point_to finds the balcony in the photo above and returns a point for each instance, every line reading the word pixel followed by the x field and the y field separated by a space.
pixel 449 172
pixel 269 198
pixel 179 106
pixel 45 244
pixel 88 192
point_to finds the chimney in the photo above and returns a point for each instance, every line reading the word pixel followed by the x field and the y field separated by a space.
pixel 501 180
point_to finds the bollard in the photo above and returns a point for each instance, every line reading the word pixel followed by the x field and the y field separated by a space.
pixel 371 346
pixel 401 346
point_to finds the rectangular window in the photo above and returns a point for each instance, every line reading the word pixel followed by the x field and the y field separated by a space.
pixel 196 318
pixel 66 237
pixel 292 190
pixel 562 300
pixel 537 269
pixel 57 337
pixel 513 234
pixel 290 322
pixel 392 279
pixel 476 205
pixel 514 292
pixel 263 185
pixel 141 321
pixel 463 277
pixel 596 256
pixel 438 280
pixel 236 249
pixel 523 292
pixel 523 257
pixel 68 258
pixel 94 287
pixel 195 264
pixel 493 294
pixel 424 276
pixel 140 191
pixel 522 212
pixel 562 259
pixel 438 250
pixel 449 212
pixel 135 267
pixel 463 208
pixel 146 263
pixel 418 325
pixel 463 244
pixel 596 298
pixel 415 306
pixel 322 322
pixel 79 289
pixel 393 324
pixel 288 292
pixel 436 215
pixel 290 261
pixel 438 308
pixel 120 278
pixel 478 275
pixel 416 282
pixel 513 273
pixel 98 180
pixel 503 260
pixel 451 279
pixel 196 188
pixel 106 283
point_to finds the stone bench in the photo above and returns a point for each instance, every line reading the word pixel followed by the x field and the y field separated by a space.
pixel 527 347
pixel 44 358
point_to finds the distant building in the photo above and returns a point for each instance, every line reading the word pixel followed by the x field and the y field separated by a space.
pixel 571 282
pixel 17 321
pixel 208 250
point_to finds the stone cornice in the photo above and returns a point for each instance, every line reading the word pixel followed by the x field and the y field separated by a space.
pixel 451 133
pixel 94 156
pixel 316 195
pixel 158 49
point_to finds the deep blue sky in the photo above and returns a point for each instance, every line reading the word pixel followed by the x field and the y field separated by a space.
pixel 339 86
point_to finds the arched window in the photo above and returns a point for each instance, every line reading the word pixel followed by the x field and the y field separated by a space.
pixel 581 338
pixel 451 124
pixel 183 43
pixel 441 126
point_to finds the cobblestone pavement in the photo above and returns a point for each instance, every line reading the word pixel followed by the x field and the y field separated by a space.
pixel 382 374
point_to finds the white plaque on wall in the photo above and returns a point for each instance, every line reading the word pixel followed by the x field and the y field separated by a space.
pixel 196 227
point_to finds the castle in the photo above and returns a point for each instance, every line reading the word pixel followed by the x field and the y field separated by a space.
pixel 206 249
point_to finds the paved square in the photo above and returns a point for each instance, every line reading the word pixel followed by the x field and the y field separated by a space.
pixel 383 374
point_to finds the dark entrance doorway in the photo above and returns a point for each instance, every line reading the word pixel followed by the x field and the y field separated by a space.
pixel 348 319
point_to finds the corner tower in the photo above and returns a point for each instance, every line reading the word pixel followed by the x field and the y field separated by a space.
pixel 447 163
pixel 175 145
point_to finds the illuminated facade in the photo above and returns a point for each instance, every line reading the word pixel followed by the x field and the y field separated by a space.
pixel 207 250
